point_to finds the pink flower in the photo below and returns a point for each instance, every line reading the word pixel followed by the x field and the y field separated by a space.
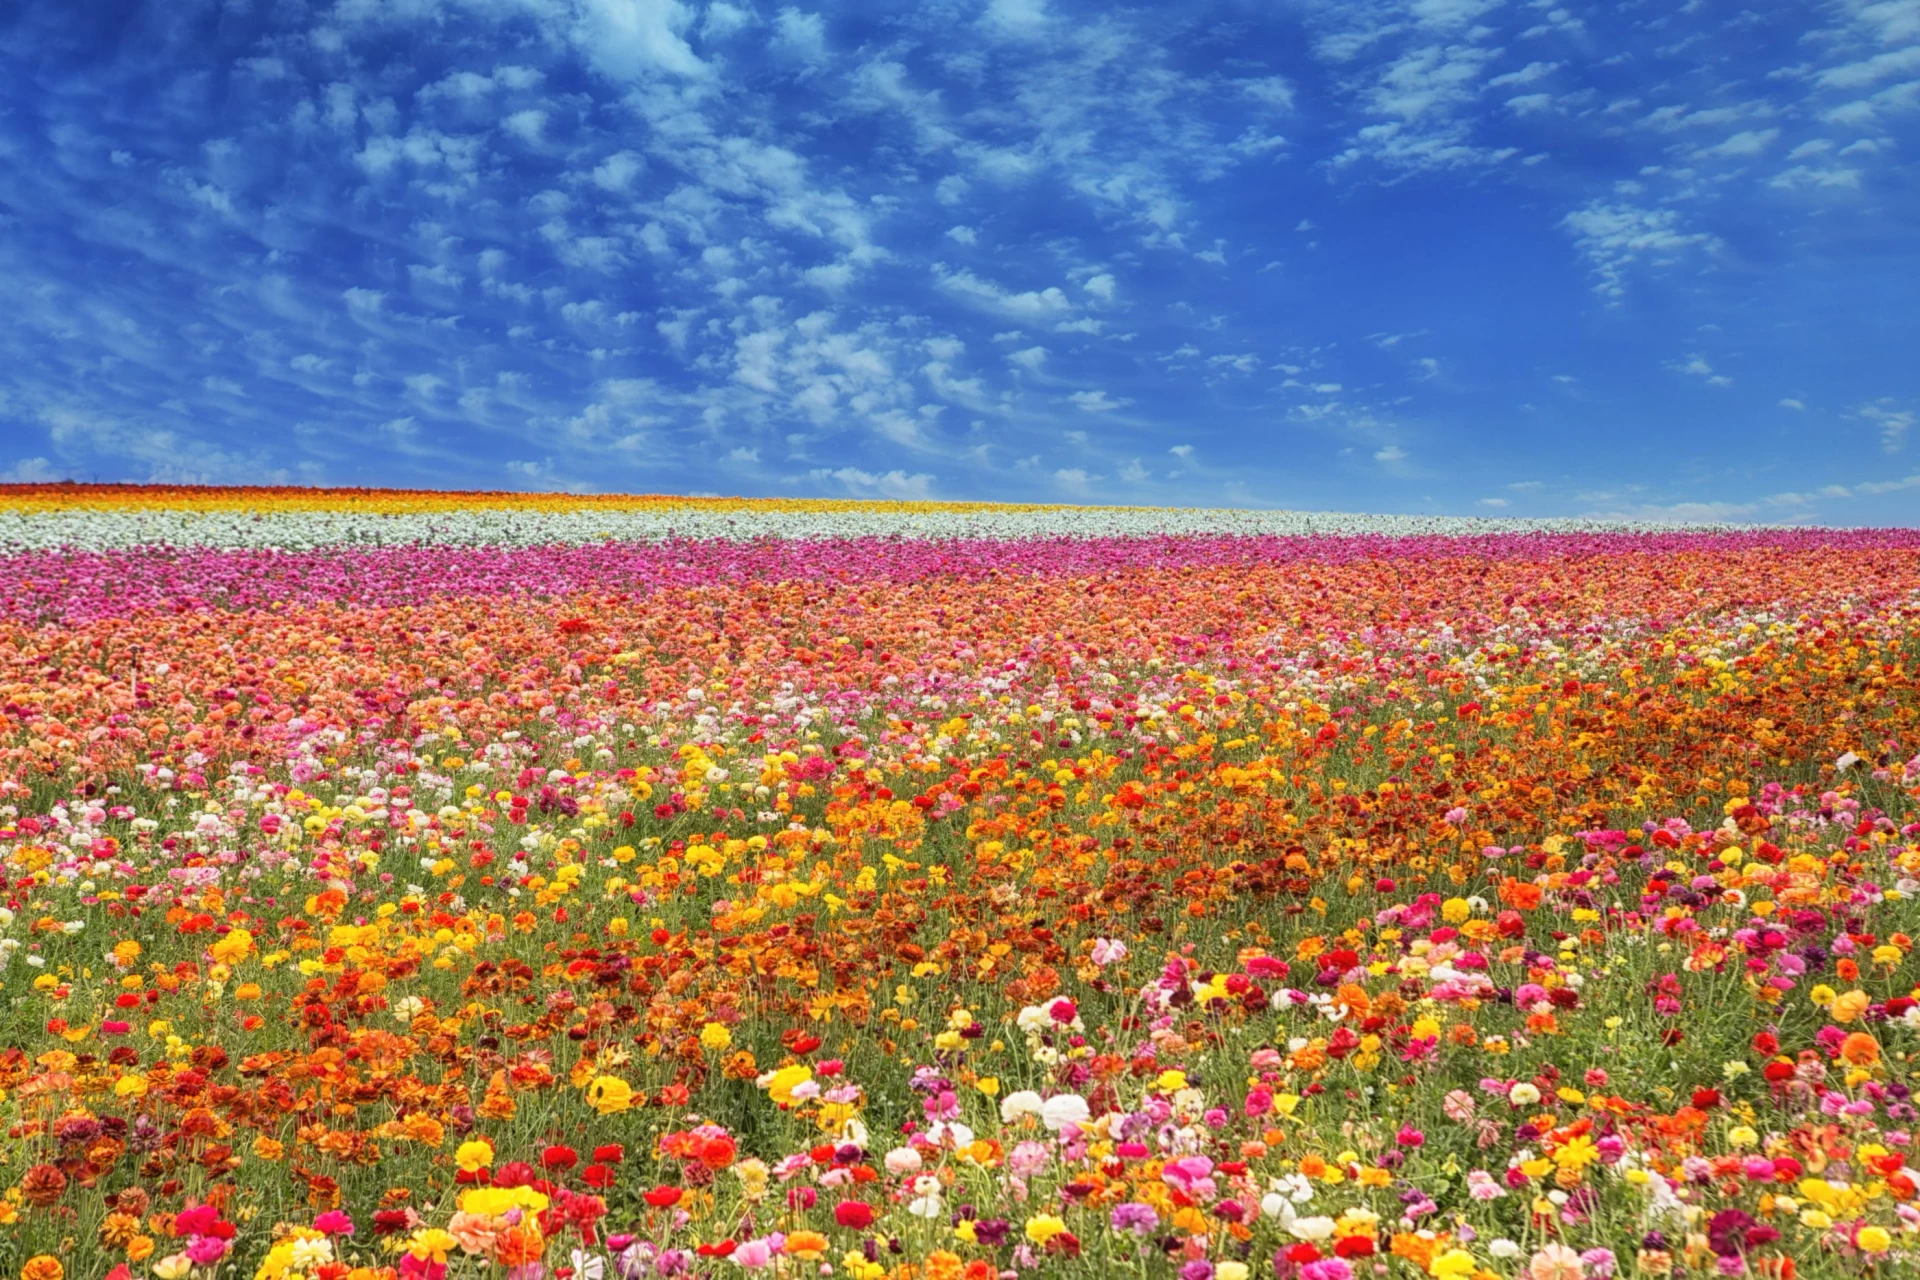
pixel 1191 1174
pixel 206 1250
pixel 1555 1262
pixel 1327 1269
pixel 334 1222
pixel 754 1254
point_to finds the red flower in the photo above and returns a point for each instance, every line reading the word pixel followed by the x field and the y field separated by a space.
pixel 612 1153
pixel 559 1158
pixel 598 1176
pixel 718 1249
pixel 1354 1247
pixel 664 1198
pixel 856 1215
pixel 1706 1099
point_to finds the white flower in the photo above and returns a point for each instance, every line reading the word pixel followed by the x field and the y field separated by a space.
pixel 1275 1205
pixel 1022 1102
pixel 903 1160
pixel 1523 1094
pixel 1503 1248
pixel 1034 1019
pixel 926 1199
pixel 1064 1109
pixel 1318 1227
pixel 950 1135
pixel 308 1254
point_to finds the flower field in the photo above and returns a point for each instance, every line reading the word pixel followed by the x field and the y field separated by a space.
pixel 408 885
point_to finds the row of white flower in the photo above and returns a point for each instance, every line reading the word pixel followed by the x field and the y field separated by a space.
pixel 93 529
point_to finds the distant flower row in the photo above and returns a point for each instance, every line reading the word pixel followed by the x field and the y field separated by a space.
pixel 34 517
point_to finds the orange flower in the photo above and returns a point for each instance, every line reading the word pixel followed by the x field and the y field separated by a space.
pixel 1860 1049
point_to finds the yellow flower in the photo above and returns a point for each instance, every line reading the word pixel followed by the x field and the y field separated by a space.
pixel 1043 1227
pixel 233 948
pixel 431 1244
pixel 131 1085
pixel 473 1155
pixel 1742 1136
pixel 1845 1008
pixel 43 1267
pixel 1171 1081
pixel 989 1085
pixel 493 1202
pixel 609 1095
pixel 1453 1263
pixel 1873 1240
pixel 1576 1154
pixel 716 1037
pixel 1231 1270
pixel 782 1083
pixel 1822 995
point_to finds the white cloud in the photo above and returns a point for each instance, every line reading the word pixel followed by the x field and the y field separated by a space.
pixel 526 125
pixel 1892 422
pixel 723 19
pixel 800 35
pixel 625 39
pixel 1100 286
pixel 1097 402
pixel 1032 304
pixel 1270 91
pixel 1868 71
pixel 1743 145
pixel 895 484
pixel 1030 358
pixel 963 235
pixel 1618 237
pixel 1528 74
pixel 1075 480
pixel 1450 14
pixel 1133 472
pixel 1802 176
pixel 1390 454
pixel 1792 404
pixel 31 471
pixel 1016 19
pixel 617 171
pixel 1696 366
pixel 1496 503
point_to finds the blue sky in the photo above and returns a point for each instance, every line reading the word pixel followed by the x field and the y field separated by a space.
pixel 1515 257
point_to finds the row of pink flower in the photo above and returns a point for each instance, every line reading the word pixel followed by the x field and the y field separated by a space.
pixel 77 586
